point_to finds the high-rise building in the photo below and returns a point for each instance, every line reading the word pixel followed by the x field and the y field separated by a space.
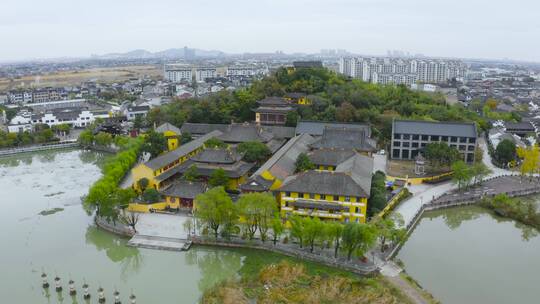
pixel 401 70
pixel 178 73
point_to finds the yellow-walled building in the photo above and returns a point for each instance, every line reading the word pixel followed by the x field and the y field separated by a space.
pixel 172 134
pixel 211 159
pixel 161 168
pixel 297 98
pixel 341 194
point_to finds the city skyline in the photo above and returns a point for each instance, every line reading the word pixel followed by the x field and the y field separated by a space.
pixel 61 28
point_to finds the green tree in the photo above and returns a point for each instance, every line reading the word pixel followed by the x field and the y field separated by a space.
pixel 257 209
pixel 297 229
pixel 218 178
pixel 86 138
pixel 216 209
pixel 215 143
pixel 185 137
pixel 277 228
pixel 303 163
pixel 103 139
pixel 313 228
pixel 358 238
pixel 151 195
pixel 505 152
pixel 334 231
pixel 441 154
pixel 143 183
pixel 191 174
pixel 154 144
pixel 479 171
pixel 254 151
pixel 390 229
pixel 138 122
pixel 377 199
pixel 461 174
pixel 291 119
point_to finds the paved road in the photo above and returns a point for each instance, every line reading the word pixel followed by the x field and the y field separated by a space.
pixel 162 225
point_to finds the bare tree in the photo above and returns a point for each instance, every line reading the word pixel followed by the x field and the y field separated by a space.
pixel 130 218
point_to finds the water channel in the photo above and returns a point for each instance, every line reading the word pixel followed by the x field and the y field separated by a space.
pixel 67 243
pixel 469 255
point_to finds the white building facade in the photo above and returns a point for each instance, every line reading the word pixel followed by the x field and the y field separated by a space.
pixel 401 70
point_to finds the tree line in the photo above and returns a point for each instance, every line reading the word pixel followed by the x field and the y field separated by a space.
pixel 256 214
pixel 105 197
pixel 333 98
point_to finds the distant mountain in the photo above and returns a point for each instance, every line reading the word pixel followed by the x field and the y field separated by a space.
pixel 169 53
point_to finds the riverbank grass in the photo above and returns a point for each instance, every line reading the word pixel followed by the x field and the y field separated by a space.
pixel 273 278
pixel 521 210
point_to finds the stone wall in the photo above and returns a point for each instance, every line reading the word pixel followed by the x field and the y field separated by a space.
pixel 288 250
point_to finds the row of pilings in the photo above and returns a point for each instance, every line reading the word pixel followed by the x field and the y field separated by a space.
pixel 85 290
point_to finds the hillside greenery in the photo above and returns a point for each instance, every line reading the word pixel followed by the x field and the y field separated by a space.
pixel 333 98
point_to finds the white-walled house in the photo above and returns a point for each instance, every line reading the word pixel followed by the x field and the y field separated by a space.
pixel 78 118
pixel 133 112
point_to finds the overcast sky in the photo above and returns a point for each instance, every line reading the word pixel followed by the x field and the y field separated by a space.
pixel 457 28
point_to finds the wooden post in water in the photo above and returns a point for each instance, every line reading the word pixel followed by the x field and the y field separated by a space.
pixel 58 284
pixel 44 283
pixel 72 290
pixel 101 295
pixel 86 293
pixel 117 297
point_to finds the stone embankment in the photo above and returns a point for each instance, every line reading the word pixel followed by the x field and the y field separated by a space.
pixel 42 147
pixel 354 266
pixel 116 228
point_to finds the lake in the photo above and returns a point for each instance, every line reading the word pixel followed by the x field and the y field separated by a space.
pixel 65 242
pixel 469 255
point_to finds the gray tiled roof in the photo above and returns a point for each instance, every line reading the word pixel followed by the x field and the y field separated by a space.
pixel 323 182
pixel 360 168
pixel 138 109
pixel 519 125
pixel 217 156
pixel 339 138
pixel 295 95
pixel 234 170
pixel 169 157
pixel 168 127
pixel 184 189
pixel 238 133
pixel 330 157
pixel 257 183
pixel 351 178
pixel 282 163
pixel 202 128
pixel 463 129
pixel 273 101
pixel 270 109
pixel 316 128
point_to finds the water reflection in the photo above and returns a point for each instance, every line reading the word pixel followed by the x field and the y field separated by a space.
pixel 215 265
pixel 46 157
pixel 89 157
pixel 116 250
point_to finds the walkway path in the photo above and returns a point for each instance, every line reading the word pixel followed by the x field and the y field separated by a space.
pixel 407 289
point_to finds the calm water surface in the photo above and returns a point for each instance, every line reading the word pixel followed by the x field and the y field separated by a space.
pixel 467 255
pixel 69 245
